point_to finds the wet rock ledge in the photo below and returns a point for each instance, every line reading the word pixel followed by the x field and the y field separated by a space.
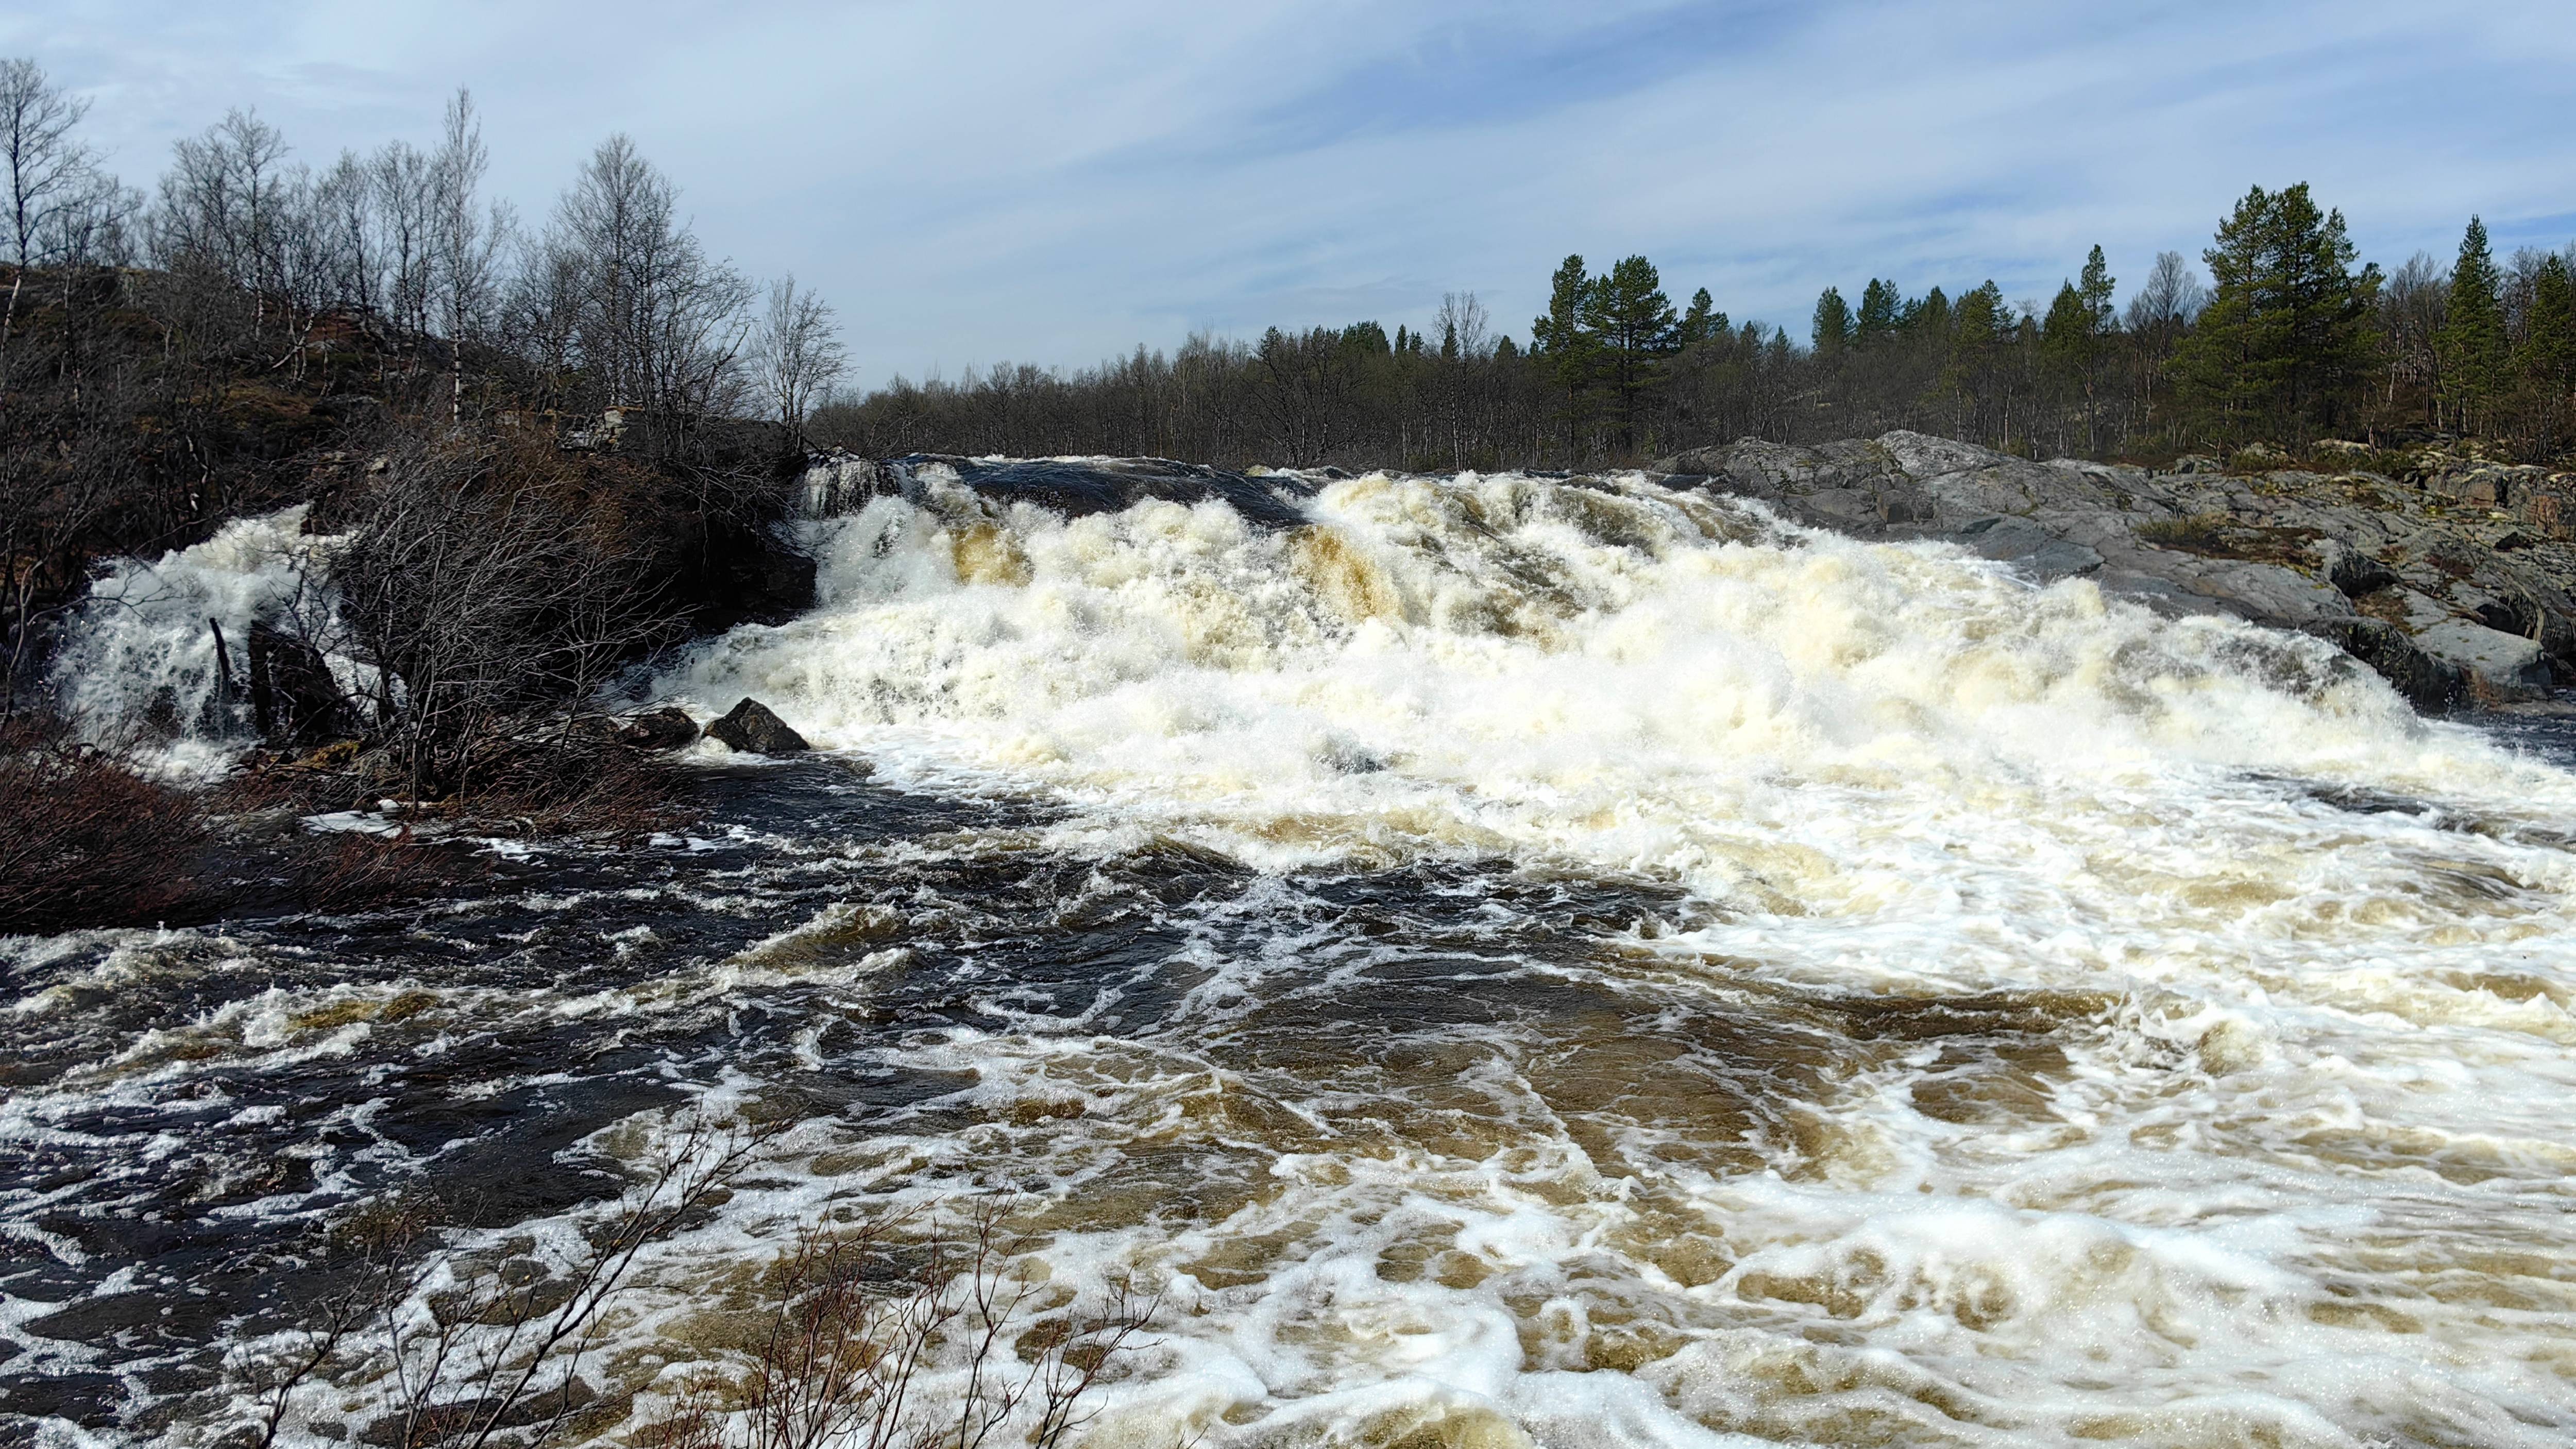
pixel 2449 574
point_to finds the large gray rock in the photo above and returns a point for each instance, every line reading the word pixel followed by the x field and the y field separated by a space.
pixel 2431 685
pixel 750 726
pixel 2505 666
pixel 2459 575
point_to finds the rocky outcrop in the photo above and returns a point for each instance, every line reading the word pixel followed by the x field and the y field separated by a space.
pixel 2449 574
pixel 667 728
pixel 751 726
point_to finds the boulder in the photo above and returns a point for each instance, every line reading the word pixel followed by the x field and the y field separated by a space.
pixel 750 726
pixel 2431 685
pixel 293 696
pixel 2498 665
pixel 666 728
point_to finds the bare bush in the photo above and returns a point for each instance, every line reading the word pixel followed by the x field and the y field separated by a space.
pixel 883 1333
pixel 864 1316
pixel 84 840
pixel 444 1352
pixel 483 595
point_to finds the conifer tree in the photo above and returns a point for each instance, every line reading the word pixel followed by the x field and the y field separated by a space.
pixel 2074 340
pixel 1570 349
pixel 1832 324
pixel 1879 307
pixel 2548 358
pixel 2285 338
pixel 1632 321
pixel 2471 343
pixel 1700 322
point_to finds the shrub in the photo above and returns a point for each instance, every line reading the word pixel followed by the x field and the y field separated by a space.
pixel 84 839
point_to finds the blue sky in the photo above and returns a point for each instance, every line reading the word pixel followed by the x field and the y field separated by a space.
pixel 973 183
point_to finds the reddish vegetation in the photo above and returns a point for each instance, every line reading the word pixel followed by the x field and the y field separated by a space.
pixel 84 840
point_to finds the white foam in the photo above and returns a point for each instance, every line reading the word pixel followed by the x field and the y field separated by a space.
pixel 2294 1179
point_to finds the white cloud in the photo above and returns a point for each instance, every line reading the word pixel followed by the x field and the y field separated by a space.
pixel 974 182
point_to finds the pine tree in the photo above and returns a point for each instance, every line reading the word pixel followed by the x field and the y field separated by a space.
pixel 1627 311
pixel 1832 326
pixel 2285 338
pixel 2471 343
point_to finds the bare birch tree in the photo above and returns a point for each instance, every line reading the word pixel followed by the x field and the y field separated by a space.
pixel 796 353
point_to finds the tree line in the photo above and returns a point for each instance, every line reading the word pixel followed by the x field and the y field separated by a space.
pixel 2286 338
pixel 208 348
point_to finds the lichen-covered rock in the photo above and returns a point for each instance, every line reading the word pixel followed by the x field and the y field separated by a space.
pixel 750 726
pixel 2499 665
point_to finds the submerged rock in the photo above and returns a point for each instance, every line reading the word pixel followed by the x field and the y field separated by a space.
pixel 667 728
pixel 750 726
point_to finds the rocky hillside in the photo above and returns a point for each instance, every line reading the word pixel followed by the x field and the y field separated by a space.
pixel 2449 574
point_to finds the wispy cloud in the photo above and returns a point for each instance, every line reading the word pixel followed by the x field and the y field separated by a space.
pixel 975 182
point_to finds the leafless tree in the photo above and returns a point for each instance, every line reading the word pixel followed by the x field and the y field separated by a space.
pixel 61 205
pixel 662 324
pixel 1465 327
pixel 796 351
pixel 406 203
pixel 466 239
pixel 2413 303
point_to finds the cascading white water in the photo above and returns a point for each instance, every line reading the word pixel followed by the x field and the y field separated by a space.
pixel 2281 1158
pixel 137 662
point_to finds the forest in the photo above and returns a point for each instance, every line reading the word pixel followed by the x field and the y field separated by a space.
pixel 2285 339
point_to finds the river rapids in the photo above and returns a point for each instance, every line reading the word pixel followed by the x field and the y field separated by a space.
pixel 1508 959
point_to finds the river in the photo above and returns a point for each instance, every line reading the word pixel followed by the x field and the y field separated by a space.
pixel 1508 959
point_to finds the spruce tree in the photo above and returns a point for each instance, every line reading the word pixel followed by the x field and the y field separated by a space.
pixel 2471 343
pixel 1571 351
pixel 1832 328
pixel 2074 340
pixel 1879 304
pixel 2548 358
pixel 1700 322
